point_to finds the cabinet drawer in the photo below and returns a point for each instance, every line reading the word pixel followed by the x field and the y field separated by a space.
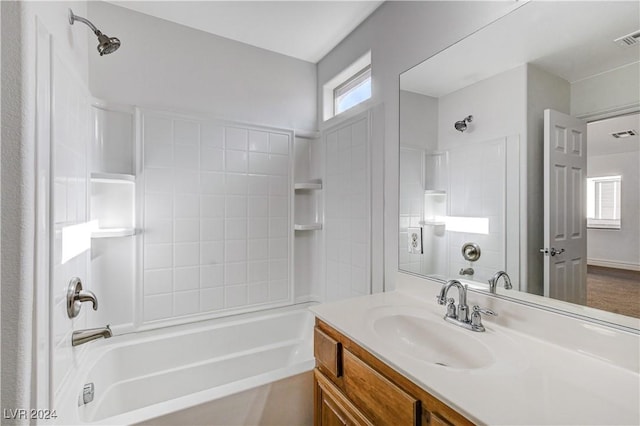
pixel 382 401
pixel 327 352
pixel 333 408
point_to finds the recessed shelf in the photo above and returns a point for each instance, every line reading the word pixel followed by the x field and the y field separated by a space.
pixel 308 227
pixel 112 178
pixel 307 186
pixel 431 223
pixel 434 192
pixel 113 232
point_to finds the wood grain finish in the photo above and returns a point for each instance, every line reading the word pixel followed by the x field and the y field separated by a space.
pixel 433 411
pixel 332 408
pixel 381 400
pixel 328 352
pixel 435 420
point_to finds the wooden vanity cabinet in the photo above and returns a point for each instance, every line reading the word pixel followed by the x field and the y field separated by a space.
pixel 353 387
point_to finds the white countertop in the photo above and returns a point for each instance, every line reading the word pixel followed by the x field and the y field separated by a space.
pixel 531 381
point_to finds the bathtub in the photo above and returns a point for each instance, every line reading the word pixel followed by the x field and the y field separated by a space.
pixel 243 369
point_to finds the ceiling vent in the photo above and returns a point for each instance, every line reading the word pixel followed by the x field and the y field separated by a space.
pixel 625 134
pixel 629 39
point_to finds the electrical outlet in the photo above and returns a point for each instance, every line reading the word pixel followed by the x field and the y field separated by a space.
pixel 415 240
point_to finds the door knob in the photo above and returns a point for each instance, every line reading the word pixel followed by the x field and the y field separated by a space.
pixel 552 251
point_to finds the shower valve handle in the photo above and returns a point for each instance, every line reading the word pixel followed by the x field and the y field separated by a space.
pixel 76 296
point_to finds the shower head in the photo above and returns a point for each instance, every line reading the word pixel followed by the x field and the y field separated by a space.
pixel 106 44
pixel 461 125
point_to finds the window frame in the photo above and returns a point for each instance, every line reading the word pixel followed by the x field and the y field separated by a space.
pixel 598 222
pixel 348 85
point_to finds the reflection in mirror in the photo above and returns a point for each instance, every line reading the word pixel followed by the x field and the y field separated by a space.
pixel 521 143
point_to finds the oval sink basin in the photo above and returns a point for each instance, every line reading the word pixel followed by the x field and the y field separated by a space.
pixel 437 343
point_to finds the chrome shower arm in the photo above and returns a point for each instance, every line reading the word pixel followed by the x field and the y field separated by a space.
pixel 106 44
pixel 73 18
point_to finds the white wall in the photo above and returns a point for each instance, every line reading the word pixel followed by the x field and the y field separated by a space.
pixel 171 67
pixel 419 124
pixel 617 90
pixel 399 35
pixel 496 103
pixel 18 181
pixel 612 246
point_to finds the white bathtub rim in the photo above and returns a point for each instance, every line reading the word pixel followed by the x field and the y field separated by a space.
pixel 67 400
pixel 146 335
pixel 163 324
pixel 281 344
pixel 102 347
pixel 188 401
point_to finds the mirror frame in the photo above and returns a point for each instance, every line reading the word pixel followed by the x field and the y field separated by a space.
pixel 579 312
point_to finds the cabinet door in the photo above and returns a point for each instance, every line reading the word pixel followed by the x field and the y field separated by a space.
pixel 381 399
pixel 332 408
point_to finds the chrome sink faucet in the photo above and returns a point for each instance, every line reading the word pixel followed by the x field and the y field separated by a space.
pixel 493 281
pixel 462 312
pixel 460 316
pixel 83 336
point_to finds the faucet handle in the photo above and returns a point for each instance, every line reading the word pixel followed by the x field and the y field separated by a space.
pixel 451 308
pixel 478 309
pixel 476 318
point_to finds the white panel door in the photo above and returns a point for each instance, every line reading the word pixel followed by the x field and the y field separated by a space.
pixel 565 225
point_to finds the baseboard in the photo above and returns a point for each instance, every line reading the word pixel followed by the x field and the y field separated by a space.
pixel 614 264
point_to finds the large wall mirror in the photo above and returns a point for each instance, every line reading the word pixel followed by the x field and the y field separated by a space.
pixel 519 152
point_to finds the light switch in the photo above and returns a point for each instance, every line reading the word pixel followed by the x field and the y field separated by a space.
pixel 415 240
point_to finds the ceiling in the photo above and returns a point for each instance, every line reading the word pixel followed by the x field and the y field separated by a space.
pixel 600 141
pixel 573 40
pixel 306 30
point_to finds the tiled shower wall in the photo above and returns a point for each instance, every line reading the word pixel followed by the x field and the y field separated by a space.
pixel 474 181
pixel 347 210
pixel 477 188
pixel 216 217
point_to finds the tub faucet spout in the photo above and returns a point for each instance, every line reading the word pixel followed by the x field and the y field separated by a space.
pixel 83 336
pixel 493 281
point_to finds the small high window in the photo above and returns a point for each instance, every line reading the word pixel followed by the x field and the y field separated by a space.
pixel 603 202
pixel 348 88
pixel 355 90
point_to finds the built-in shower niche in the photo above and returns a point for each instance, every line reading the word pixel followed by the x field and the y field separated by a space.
pixel 113 204
pixel 113 211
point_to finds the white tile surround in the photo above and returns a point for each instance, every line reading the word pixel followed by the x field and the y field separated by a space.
pixel 347 209
pixel 216 216
pixel 477 189
pixel 473 189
